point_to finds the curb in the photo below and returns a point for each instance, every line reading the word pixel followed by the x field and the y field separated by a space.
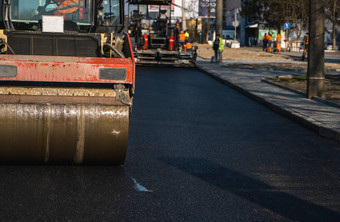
pixel 321 130
pixel 297 69
pixel 283 87
pixel 275 69
pixel 316 98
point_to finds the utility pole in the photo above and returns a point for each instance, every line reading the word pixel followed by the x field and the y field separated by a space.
pixel 335 25
pixel 316 53
pixel 219 17
pixel 235 24
pixel 209 20
pixel 184 25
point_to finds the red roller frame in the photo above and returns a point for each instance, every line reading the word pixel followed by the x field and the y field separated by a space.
pixel 66 69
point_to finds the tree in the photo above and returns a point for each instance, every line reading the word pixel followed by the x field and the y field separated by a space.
pixel 253 10
pixel 332 13
pixel 296 12
pixel 274 13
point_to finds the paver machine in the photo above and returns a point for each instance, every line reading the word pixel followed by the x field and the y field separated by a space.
pixel 156 36
pixel 67 77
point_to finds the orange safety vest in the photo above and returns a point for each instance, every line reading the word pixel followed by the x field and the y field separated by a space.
pixel 278 38
pixel 264 38
pixel 182 36
pixel 177 25
pixel 269 38
pixel 187 46
pixel 306 39
pixel 70 6
pixel 278 42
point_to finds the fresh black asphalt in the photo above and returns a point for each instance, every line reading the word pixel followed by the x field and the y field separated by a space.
pixel 198 151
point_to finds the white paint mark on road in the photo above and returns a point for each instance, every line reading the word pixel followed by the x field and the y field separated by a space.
pixel 139 187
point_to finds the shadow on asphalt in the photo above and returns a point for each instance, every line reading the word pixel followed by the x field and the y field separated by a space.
pixel 262 194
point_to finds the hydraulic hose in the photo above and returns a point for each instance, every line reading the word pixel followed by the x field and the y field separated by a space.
pixel 116 51
pixel 2 41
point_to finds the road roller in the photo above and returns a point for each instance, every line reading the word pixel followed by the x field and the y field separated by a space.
pixel 67 80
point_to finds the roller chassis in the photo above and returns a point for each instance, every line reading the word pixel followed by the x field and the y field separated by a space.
pixel 66 97
pixel 48 103
pixel 165 57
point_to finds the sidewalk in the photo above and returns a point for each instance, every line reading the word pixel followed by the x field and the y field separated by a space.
pixel 315 115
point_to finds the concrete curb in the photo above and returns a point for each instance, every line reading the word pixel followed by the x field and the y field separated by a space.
pixel 283 87
pixel 297 117
pixel 231 65
pixel 319 99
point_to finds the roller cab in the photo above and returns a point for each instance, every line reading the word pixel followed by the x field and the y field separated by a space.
pixel 67 77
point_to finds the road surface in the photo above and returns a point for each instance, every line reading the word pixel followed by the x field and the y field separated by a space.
pixel 198 151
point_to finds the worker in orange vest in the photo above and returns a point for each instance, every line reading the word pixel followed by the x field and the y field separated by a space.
pixel 264 42
pixel 69 6
pixel 278 42
pixel 306 44
pixel 187 47
pixel 182 38
pixel 270 41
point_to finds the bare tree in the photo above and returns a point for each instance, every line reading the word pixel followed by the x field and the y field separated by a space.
pixel 274 13
pixel 332 13
pixel 297 12
pixel 191 10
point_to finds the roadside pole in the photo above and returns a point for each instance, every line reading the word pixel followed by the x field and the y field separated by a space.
pixel 235 25
pixel 184 25
pixel 219 17
pixel 316 52
pixel 209 22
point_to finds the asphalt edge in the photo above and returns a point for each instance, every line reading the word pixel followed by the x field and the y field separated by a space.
pixel 321 130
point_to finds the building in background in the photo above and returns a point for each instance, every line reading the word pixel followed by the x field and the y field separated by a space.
pixel 248 32
pixel 232 21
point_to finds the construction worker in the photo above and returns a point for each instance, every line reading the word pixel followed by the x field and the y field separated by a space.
pixel 306 45
pixel 177 34
pixel 186 36
pixel 69 6
pixel 187 47
pixel 177 24
pixel 264 42
pixel 218 48
pixel 270 41
pixel 182 39
pixel 278 42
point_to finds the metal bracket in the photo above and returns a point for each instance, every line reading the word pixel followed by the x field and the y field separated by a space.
pixel 121 95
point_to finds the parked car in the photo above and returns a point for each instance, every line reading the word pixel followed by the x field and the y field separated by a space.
pixel 231 43
pixel 329 45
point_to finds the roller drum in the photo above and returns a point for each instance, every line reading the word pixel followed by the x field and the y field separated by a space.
pixel 64 133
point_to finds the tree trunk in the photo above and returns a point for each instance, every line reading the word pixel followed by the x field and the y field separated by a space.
pixel 184 21
pixel 335 25
pixel 316 52
pixel 219 16
pixel 208 28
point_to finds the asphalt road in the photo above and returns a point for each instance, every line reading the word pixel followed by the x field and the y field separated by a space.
pixel 198 151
